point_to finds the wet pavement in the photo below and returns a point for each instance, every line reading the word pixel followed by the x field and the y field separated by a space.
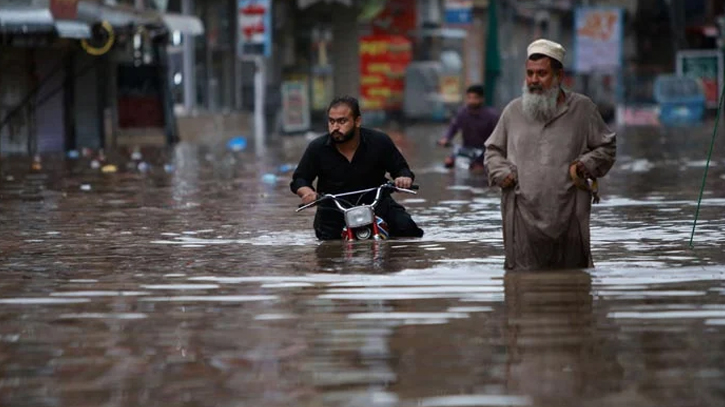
pixel 200 286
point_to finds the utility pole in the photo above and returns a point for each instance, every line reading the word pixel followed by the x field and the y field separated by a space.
pixel 189 57
pixel 585 77
pixel 259 96
pixel 255 46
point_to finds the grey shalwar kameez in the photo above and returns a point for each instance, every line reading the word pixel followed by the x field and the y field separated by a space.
pixel 545 216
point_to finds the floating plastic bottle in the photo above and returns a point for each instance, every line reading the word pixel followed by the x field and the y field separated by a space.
pixel 236 144
pixel 284 168
pixel 136 154
pixel 36 165
pixel 109 169
pixel 269 178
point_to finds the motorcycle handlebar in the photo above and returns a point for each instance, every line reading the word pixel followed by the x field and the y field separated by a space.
pixel 313 203
pixel 412 190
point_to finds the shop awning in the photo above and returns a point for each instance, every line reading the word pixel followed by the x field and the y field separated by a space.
pixel 190 25
pixel 72 29
pixel 117 16
pixel 40 20
pixel 26 20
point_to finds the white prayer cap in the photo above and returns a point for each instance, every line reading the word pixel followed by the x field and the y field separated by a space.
pixel 549 48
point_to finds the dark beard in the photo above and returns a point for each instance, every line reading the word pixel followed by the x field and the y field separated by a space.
pixel 345 137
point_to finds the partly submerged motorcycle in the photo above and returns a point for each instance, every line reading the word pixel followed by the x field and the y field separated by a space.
pixel 361 222
pixel 465 157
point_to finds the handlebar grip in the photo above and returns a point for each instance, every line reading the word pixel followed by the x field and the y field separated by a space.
pixel 413 187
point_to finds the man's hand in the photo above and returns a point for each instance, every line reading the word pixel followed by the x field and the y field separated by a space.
pixel 578 170
pixel 581 170
pixel 403 182
pixel 444 142
pixel 307 194
pixel 508 182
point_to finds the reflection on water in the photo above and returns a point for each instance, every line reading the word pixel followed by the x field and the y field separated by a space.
pixel 555 351
pixel 202 287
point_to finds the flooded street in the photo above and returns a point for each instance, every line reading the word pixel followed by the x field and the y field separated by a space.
pixel 199 285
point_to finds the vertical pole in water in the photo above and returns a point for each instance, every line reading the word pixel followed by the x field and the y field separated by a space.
pixel 259 118
pixel 707 165
pixel 189 61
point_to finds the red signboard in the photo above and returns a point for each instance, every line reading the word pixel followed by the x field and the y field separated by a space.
pixel 398 18
pixel 64 9
pixel 383 61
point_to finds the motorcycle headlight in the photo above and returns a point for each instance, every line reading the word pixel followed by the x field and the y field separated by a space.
pixel 359 216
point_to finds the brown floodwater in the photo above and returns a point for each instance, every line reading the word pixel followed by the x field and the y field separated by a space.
pixel 199 285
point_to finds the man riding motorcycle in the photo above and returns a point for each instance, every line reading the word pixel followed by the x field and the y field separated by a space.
pixel 349 158
pixel 475 122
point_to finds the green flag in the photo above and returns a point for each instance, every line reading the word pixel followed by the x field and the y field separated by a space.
pixel 493 55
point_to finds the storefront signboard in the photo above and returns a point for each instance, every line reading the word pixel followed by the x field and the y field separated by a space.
pixel 255 28
pixel 707 66
pixel 383 61
pixel 295 106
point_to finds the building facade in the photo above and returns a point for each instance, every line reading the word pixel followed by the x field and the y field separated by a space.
pixel 80 73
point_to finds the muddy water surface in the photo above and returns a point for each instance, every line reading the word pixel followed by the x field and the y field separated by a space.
pixel 200 286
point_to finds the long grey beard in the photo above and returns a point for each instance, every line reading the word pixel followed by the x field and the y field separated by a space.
pixel 540 107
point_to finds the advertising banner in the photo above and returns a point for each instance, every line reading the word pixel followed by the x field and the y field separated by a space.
pixel 255 28
pixel 395 17
pixel 295 106
pixel 383 61
pixel 707 66
pixel 598 39
pixel 459 11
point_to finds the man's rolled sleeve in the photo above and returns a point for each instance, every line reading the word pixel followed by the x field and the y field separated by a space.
pixel 306 171
pixel 396 164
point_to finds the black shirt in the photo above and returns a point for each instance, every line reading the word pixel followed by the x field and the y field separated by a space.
pixel 376 155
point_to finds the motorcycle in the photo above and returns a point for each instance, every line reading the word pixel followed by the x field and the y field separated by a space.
pixel 466 156
pixel 462 157
pixel 361 222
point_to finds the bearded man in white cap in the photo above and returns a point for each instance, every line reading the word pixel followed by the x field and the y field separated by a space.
pixel 548 149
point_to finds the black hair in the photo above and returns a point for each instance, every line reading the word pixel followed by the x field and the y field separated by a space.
pixel 348 101
pixel 555 64
pixel 477 89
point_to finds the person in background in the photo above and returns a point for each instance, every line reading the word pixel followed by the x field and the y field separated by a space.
pixel 475 123
pixel 548 147
pixel 349 158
